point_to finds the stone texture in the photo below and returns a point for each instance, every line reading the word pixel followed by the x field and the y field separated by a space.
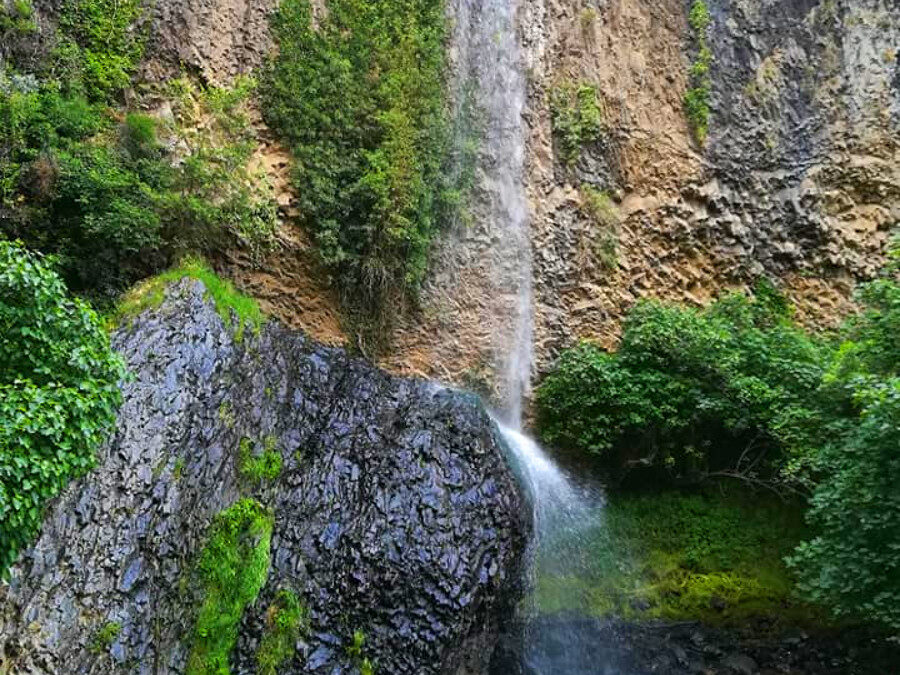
pixel 395 513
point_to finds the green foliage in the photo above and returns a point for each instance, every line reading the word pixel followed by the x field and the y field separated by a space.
pixel 852 564
pixel 712 555
pixel 110 48
pixel 58 392
pixel 358 94
pixel 603 214
pixel 355 650
pixel 109 201
pixel 232 569
pixel 689 392
pixel 17 19
pixel 257 468
pixel 696 98
pixel 286 620
pixel 105 637
pixel 576 117
pixel 238 311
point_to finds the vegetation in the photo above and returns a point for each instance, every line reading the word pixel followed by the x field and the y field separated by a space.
pixel 713 554
pixel 737 390
pixel 603 214
pixel 232 569
pixel 358 94
pixel 691 393
pixel 286 620
pixel 696 99
pixel 239 312
pixel 355 650
pixel 576 117
pixel 96 186
pixel 105 637
pixel 58 392
pixel 262 467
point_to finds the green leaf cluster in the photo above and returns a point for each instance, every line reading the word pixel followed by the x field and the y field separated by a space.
pixel 690 391
pixel 232 569
pixel 286 621
pixel 577 119
pixel 59 392
pixel 696 98
pixel 265 466
pixel 357 91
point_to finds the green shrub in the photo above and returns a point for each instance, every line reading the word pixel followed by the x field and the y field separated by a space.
pixel 286 620
pixel 359 97
pixel 696 99
pixel 58 392
pixel 603 214
pixel 232 569
pixel 690 392
pixel 576 117
pixel 105 637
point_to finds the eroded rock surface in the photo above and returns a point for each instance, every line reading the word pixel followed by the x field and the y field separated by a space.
pixel 395 513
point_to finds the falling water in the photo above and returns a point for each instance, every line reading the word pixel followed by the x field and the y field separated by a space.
pixel 488 60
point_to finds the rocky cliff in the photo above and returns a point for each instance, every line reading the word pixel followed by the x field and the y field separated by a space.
pixel 394 515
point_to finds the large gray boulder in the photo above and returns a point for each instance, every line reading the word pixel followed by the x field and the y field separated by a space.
pixel 395 513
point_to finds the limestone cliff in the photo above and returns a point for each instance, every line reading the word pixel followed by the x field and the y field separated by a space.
pixel 394 514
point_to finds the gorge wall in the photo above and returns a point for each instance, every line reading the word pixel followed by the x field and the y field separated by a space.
pixel 393 513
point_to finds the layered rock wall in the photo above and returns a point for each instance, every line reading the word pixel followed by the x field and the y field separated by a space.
pixel 394 512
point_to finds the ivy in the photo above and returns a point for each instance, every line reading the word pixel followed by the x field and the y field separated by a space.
pixel 58 392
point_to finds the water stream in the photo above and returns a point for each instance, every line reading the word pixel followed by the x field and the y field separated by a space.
pixel 488 61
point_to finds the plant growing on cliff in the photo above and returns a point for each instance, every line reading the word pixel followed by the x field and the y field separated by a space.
pixel 58 392
pixel 358 94
pixel 576 117
pixel 259 467
pixel 232 569
pixel 286 620
pixel 696 99
pixel 597 206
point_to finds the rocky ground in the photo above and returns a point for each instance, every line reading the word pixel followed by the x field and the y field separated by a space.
pixel 586 646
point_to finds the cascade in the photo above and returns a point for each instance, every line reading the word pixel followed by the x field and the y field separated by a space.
pixel 488 61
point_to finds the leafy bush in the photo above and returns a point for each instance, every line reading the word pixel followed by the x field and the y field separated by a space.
pixel 358 94
pixel 58 392
pixel 233 567
pixel 576 117
pixel 853 562
pixel 690 392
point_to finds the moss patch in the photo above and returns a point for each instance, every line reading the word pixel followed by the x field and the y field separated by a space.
pixel 232 569
pixel 259 467
pixel 231 305
pixel 105 637
pixel 711 556
pixel 286 620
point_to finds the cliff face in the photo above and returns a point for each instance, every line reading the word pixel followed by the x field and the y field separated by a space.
pixel 394 513
pixel 799 179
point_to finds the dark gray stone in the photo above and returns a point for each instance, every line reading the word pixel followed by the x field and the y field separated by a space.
pixel 395 513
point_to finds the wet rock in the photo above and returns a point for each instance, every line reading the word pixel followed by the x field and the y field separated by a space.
pixel 395 513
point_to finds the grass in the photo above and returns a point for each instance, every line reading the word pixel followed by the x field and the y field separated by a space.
pixel 286 619
pixel 711 556
pixel 231 305
pixel 232 569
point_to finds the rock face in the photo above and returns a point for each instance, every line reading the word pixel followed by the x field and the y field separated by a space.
pixel 395 513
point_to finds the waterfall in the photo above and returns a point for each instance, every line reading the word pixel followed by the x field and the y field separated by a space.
pixel 488 63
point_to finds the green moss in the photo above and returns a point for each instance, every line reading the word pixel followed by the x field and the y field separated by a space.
pixel 576 117
pixel 286 620
pixel 105 637
pixel 178 469
pixel 711 556
pixel 230 304
pixel 696 99
pixel 257 468
pixel 232 569
pixel 355 650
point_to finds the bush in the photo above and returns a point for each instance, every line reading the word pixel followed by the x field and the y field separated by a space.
pixel 576 117
pixel 58 392
pixel 729 389
pixel 359 97
pixel 696 99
